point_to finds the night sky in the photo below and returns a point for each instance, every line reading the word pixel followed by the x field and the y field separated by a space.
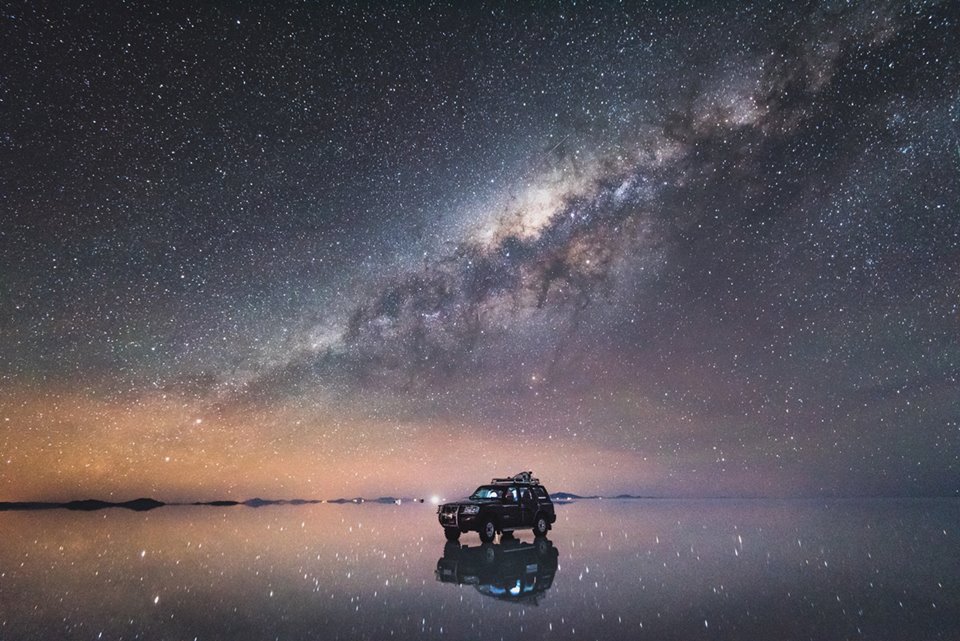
pixel 302 251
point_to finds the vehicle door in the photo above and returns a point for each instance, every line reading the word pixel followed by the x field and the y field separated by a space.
pixel 543 500
pixel 510 517
pixel 528 507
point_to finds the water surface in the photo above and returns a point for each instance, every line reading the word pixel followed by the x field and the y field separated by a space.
pixel 634 569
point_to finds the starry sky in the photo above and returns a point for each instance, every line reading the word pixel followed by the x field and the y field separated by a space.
pixel 672 249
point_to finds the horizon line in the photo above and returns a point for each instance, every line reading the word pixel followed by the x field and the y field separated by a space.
pixel 258 501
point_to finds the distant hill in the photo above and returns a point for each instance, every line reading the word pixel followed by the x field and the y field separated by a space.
pixel 140 505
pixel 87 505
pixel 569 496
pixel 258 502
pixel 144 504
pixel 385 500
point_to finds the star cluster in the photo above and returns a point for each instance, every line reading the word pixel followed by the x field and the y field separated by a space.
pixel 676 250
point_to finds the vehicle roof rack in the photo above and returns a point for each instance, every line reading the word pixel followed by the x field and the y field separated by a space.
pixel 523 478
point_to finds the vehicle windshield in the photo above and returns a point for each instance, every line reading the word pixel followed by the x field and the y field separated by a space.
pixel 488 492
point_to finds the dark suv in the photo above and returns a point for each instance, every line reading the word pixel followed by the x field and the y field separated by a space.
pixel 515 503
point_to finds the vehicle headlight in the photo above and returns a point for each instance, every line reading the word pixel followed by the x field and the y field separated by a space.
pixel 471 509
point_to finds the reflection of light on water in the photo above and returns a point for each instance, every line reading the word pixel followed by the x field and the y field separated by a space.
pixel 191 564
pixel 498 591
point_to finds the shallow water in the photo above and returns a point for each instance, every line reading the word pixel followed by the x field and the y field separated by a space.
pixel 635 569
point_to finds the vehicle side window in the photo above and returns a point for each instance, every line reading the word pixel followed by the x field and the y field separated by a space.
pixel 511 495
pixel 524 494
pixel 541 493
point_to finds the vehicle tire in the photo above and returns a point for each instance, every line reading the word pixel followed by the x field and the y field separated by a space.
pixel 543 546
pixel 540 525
pixel 451 549
pixel 488 529
pixel 452 533
pixel 489 554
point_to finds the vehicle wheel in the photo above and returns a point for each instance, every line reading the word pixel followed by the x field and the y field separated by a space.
pixel 451 549
pixel 487 531
pixel 540 525
pixel 452 533
pixel 543 546
pixel 489 554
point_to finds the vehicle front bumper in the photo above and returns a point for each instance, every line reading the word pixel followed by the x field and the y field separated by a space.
pixel 456 519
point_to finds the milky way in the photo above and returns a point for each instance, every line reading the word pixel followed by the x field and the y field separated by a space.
pixel 674 250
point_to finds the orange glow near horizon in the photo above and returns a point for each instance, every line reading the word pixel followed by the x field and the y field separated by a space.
pixel 71 446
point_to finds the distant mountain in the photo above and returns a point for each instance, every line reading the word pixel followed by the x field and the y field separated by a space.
pixel 568 496
pixel 87 505
pixel 385 500
pixel 144 504
pixel 258 502
pixel 141 505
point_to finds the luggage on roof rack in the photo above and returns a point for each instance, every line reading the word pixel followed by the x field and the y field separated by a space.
pixel 525 478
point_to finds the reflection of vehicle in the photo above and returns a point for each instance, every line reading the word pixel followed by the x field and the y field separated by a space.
pixel 512 571
pixel 515 503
